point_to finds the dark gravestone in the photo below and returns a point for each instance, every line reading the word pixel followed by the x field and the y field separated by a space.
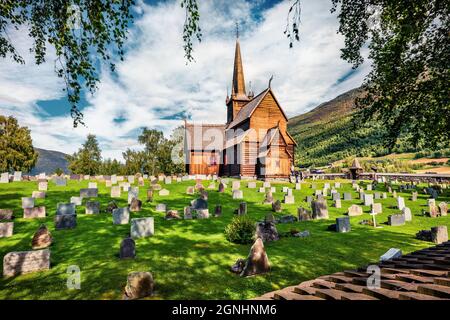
pixel 199 204
pixel 218 211
pixel 150 195
pixel 267 231
pixel 42 238
pixel 336 196
pixel 65 221
pixel 6 214
pixel 268 198
pixel 221 187
pixel 111 207
pixel 347 196
pixel 135 205
pixel 257 261
pixel 319 210
pixel 343 224
pixel 287 219
pixel 439 234
pixel 303 214
pixel 127 249
pixel 276 206
pixel 309 199
pixel 242 208
pixel 89 193
pixel 396 219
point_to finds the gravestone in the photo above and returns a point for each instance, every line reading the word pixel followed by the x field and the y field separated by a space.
pixel 130 179
pixel 65 221
pixel 369 187
pixel 432 209
pixel 238 194
pixel 303 214
pixel 27 203
pixel 392 253
pixel 343 224
pixel 221 187
pixel 354 210
pixel 251 185
pixel 212 186
pixel 242 208
pixel 6 229
pixel 149 195
pixel 17 176
pixel 65 208
pixel 36 212
pixel 309 199
pixel 439 234
pixel 407 213
pixel 318 193
pixel 78 201
pixel 188 213
pixel 42 238
pixel 139 285
pixel 199 203
pixel 218 211
pixel 108 183
pixel 135 205
pixel 384 195
pixel 114 179
pixel 92 207
pixel 336 196
pixel 142 227
pixel 89 193
pixel 443 209
pixel 276 206
pixel 60 182
pixel 257 261
pixel 287 219
pixel 337 203
pixel 168 180
pixel 262 190
pixel 236 185
pixel 266 184
pixel 4 178
pixel 298 186
pixel 337 185
pixel 361 195
pixel 127 249
pixel 377 195
pixel 267 231
pixel 289 199
pixel 325 192
pixel 92 185
pixel 268 198
pixel 394 194
pixel 400 203
pixel 376 208
pixel 414 196
pixel 284 189
pixel 319 210
pixel 121 215
pixel 21 262
pixel 42 186
pixel 326 185
pixel 161 207
pixel 164 192
pixel 6 214
pixel 272 189
pixel 202 213
pixel 396 219
pixel 38 195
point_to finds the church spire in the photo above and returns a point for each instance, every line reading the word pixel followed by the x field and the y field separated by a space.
pixel 238 89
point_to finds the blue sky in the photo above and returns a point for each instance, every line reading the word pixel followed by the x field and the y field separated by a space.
pixel 154 87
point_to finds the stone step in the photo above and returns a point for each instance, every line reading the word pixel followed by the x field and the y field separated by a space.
pixel 323 284
pixel 357 296
pixel 329 294
pixel 305 290
pixel 434 290
pixel 340 279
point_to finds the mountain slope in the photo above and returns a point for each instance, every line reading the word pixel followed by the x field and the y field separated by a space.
pixel 327 134
pixel 48 161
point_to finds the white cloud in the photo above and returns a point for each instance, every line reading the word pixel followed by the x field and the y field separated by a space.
pixel 154 82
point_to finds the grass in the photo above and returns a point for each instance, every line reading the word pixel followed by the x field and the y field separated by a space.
pixel 190 259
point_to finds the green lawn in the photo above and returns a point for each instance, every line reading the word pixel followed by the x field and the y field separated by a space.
pixel 190 259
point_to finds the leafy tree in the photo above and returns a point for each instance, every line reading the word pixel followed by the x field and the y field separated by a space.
pixel 110 167
pixel 16 147
pixel 134 161
pixel 59 171
pixel 152 140
pixel 88 158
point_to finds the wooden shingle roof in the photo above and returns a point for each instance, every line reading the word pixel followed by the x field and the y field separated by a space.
pixel 420 275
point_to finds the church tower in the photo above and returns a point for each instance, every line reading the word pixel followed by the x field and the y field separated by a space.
pixel 238 94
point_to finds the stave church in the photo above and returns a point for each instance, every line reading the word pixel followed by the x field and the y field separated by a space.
pixel 253 143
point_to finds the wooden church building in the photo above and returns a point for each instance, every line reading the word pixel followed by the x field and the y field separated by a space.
pixel 254 141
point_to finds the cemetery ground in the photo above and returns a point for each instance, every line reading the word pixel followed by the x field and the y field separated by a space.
pixel 191 259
